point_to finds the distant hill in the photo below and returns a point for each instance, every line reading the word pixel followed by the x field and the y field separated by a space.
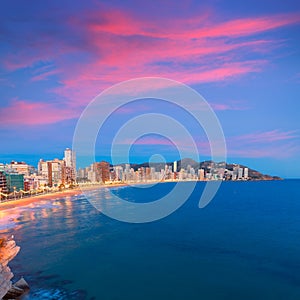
pixel 185 162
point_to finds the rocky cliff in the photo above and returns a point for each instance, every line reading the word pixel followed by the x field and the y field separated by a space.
pixel 8 250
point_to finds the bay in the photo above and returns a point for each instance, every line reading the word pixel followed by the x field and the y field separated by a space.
pixel 244 245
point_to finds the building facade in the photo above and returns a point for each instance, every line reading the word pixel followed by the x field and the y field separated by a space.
pixel 70 166
pixel 54 171
pixel 102 171
pixel 15 182
pixel 3 183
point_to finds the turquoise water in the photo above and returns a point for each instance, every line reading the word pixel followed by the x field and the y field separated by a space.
pixel 244 245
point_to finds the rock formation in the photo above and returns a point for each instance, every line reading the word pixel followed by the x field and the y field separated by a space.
pixel 8 250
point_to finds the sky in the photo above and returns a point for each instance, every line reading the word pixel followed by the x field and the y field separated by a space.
pixel 243 57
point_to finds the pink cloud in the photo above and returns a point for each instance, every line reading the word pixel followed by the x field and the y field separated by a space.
pixel 229 106
pixel 138 55
pixel 130 48
pixel 44 72
pixel 274 143
pixel 153 141
pixel 147 42
pixel 22 112
pixel 209 25
pixel 246 26
pixel 121 46
pixel 83 87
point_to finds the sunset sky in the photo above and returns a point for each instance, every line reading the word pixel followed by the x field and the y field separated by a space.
pixel 243 57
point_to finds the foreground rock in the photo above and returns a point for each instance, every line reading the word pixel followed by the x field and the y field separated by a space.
pixel 17 290
pixel 8 251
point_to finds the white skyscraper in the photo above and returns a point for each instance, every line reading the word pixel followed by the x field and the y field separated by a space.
pixel 240 173
pixel 70 160
pixel 175 166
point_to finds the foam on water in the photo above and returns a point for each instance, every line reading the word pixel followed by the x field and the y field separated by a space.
pixel 8 221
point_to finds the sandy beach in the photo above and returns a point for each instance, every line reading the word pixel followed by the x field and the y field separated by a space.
pixel 51 196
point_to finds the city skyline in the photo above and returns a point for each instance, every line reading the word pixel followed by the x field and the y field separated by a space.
pixel 243 58
pixel 61 172
pixel 18 179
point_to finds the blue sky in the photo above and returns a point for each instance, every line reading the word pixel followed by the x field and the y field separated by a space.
pixel 242 57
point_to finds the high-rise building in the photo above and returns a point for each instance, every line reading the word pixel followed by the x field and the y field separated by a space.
pixel 102 170
pixel 81 173
pixel 201 174
pixel 58 174
pixel 240 173
pixel 235 173
pixel 91 176
pixel 43 168
pixel 53 170
pixel 70 170
pixel 175 166
pixel 119 173
pixel 148 174
pixel 70 158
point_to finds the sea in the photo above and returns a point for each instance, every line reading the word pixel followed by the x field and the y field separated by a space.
pixel 245 244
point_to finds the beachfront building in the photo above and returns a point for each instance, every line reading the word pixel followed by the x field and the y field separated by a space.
pixel 102 171
pixel 14 181
pixel 34 182
pixel 3 183
pixel 53 171
pixel 20 168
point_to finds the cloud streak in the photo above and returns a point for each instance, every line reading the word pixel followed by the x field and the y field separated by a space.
pixel 269 144
pixel 273 143
pixel 21 112
pixel 104 46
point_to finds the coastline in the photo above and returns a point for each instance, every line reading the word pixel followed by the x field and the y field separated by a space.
pixel 10 204
pixel 20 202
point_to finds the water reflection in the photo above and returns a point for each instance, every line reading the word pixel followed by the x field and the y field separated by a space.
pixel 71 251
pixel 48 231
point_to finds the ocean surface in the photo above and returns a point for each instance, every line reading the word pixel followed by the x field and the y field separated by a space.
pixel 244 245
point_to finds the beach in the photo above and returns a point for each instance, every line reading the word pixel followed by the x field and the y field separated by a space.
pixel 51 196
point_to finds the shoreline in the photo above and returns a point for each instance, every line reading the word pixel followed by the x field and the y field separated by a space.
pixel 10 204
